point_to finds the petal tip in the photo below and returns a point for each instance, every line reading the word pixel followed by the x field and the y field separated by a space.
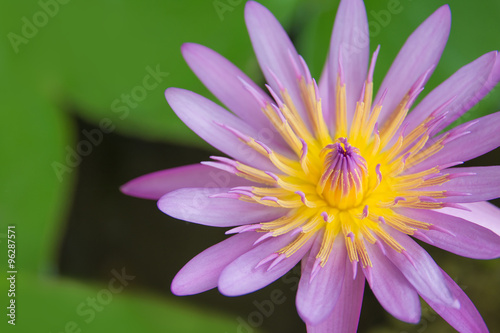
pixel 311 319
pixel 226 290
pixel 128 188
pixel 445 14
pixel 444 10
pixel 136 188
pixel 412 320
pixel 188 48
pixel 250 5
pixel 254 9
pixel 169 92
pixel 176 289
pixel 180 288
pixel 162 204
pixel 172 93
pixel 125 188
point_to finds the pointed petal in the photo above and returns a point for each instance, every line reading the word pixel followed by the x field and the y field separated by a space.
pixel 419 269
pixel 317 298
pixel 493 80
pixel 202 272
pixel 345 315
pixel 421 51
pixel 481 213
pixel 483 137
pixel 391 288
pixel 462 87
pixel 242 277
pixel 204 116
pixel 224 80
pixel 465 238
pixel 155 185
pixel 275 52
pixel 483 184
pixel 323 87
pixel 465 319
pixel 350 34
pixel 196 205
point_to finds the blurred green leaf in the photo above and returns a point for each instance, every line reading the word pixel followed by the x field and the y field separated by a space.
pixel 33 136
pixel 97 57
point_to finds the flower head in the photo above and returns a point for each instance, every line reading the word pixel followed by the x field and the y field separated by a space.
pixel 329 175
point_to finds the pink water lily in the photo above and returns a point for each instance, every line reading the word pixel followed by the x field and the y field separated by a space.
pixel 332 177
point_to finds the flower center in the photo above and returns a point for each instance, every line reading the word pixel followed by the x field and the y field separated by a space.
pixel 344 179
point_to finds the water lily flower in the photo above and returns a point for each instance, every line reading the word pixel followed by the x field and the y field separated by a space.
pixel 334 177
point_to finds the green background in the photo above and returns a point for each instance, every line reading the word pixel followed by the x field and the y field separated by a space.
pixel 74 228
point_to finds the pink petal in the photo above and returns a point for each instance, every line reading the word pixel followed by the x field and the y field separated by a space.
pixel 465 319
pixel 316 299
pixel 275 52
pixel 196 205
pixel 464 238
pixel 492 81
pixel 483 137
pixel 345 315
pixel 483 184
pixel 391 288
pixel 482 213
pixel 350 36
pixel 242 277
pixel 204 118
pixel 155 185
pixel 421 51
pixel 462 87
pixel 202 272
pixel 323 87
pixel 223 79
pixel 420 270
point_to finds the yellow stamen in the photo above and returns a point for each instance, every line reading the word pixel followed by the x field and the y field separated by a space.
pixel 344 183
pixel 341 111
